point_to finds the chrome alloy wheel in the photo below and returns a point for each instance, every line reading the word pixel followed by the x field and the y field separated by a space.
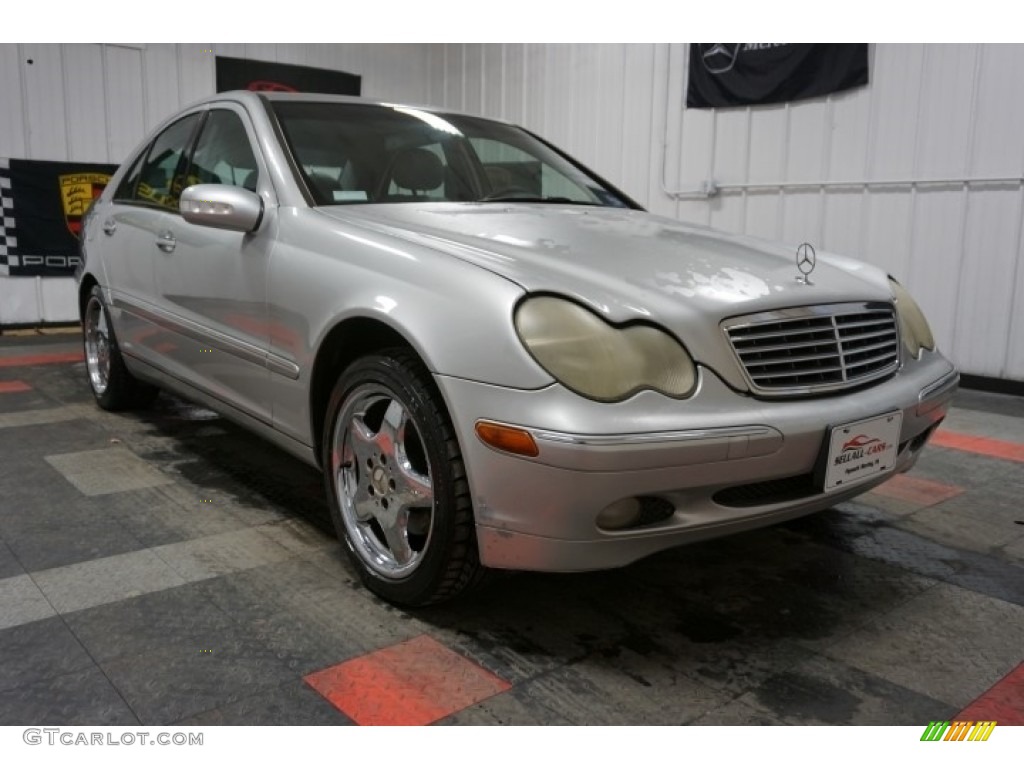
pixel 97 345
pixel 383 481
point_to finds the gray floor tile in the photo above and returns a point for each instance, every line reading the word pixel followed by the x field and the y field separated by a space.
pixel 517 636
pixel 109 470
pixel 153 624
pixel 168 686
pixel 64 385
pixel 893 508
pixel 947 643
pixel 736 712
pixel 963 468
pixel 83 585
pixel 83 697
pixel 39 650
pixel 9 565
pixel 513 707
pixel 820 691
pixel 20 402
pixel 221 554
pixel 22 602
pixel 33 492
pixel 298 536
pixel 308 622
pixel 277 587
pixel 1015 550
pixel 169 514
pixel 76 540
pixel 998 426
pixel 293 703
pixel 628 690
pixel 815 596
pixel 41 416
pixel 980 520
pixel 868 534
pixel 989 402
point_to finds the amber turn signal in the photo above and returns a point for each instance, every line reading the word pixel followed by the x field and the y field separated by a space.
pixel 510 439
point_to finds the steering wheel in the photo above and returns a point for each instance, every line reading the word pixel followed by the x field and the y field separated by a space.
pixel 511 191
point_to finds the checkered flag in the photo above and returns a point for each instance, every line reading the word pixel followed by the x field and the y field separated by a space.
pixel 8 240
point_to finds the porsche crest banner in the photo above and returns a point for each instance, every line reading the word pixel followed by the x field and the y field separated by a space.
pixel 43 204
pixel 738 74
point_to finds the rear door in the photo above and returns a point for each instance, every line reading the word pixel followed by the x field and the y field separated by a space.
pixel 130 228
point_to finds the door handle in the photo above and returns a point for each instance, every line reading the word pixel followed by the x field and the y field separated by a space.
pixel 166 242
pixel 109 227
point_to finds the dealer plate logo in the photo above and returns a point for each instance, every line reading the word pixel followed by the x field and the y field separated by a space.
pixel 862 450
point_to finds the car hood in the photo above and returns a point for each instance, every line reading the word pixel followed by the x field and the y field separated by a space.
pixel 626 264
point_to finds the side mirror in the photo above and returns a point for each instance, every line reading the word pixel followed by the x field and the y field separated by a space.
pixel 221 206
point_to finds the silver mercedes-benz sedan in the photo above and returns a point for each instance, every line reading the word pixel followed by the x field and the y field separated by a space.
pixel 498 360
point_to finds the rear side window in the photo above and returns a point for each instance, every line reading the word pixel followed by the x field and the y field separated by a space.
pixel 223 154
pixel 162 177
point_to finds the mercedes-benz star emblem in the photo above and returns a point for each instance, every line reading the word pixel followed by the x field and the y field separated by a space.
pixel 806 261
pixel 719 58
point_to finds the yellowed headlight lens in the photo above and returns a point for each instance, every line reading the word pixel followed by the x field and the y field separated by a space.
pixel 598 360
pixel 917 334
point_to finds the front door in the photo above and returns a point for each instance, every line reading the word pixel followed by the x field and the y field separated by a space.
pixel 213 282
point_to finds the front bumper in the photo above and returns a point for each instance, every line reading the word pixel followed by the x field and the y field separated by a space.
pixel 540 513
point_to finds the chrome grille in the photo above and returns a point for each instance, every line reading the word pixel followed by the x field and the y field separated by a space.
pixel 816 349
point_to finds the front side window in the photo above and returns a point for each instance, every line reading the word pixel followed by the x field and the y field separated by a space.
pixel 223 154
pixel 366 153
pixel 162 177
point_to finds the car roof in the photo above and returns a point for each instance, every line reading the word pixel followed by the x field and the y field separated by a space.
pixel 253 98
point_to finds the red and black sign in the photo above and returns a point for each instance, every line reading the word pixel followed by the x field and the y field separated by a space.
pixel 251 75
pixel 43 204
pixel 737 74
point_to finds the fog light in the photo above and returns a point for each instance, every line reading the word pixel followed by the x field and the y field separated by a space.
pixel 505 438
pixel 619 515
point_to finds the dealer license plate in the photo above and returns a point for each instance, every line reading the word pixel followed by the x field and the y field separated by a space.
pixel 862 449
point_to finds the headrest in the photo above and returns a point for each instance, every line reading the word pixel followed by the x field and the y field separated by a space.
pixel 418 169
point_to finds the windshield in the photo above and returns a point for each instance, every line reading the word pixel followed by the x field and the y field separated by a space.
pixel 369 153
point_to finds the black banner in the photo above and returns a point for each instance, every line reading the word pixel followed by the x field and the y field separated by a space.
pixel 43 203
pixel 250 75
pixel 736 74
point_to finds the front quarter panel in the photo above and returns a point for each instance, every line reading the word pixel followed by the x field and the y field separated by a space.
pixel 456 315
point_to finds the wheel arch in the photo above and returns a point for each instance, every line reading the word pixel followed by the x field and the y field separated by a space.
pixel 85 287
pixel 347 341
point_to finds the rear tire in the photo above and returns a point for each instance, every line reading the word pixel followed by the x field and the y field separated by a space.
pixel 114 388
pixel 396 482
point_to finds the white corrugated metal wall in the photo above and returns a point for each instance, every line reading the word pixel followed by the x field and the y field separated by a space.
pixel 94 103
pixel 931 112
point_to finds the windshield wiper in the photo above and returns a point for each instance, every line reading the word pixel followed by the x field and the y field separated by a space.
pixel 500 198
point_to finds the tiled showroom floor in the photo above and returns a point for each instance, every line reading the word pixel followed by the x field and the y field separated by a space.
pixel 167 567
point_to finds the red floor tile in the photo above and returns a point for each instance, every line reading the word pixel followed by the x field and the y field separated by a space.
pixel 917 490
pixel 1003 702
pixel 19 361
pixel 986 446
pixel 14 386
pixel 416 682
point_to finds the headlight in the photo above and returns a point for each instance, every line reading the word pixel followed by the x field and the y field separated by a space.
pixel 913 326
pixel 598 360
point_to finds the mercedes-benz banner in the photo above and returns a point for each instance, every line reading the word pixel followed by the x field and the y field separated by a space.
pixel 738 74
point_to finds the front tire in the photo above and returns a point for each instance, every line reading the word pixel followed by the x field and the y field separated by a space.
pixel 397 484
pixel 114 388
